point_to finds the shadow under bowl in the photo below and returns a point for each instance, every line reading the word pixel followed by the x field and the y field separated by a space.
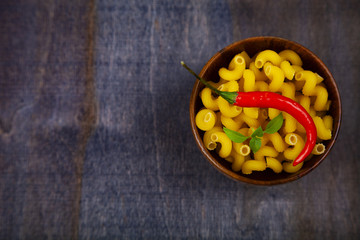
pixel 253 46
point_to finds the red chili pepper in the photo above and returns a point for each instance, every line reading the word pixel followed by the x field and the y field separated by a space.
pixel 272 100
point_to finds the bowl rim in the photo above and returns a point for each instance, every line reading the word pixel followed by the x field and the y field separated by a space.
pixel 237 175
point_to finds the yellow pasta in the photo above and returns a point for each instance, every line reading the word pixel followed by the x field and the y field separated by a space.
pixel 321 98
pixel 249 81
pixel 267 56
pixel 224 140
pixel 276 140
pixel 209 144
pixel 328 122
pixel 290 168
pixel 274 164
pixel 323 133
pixel 205 119
pixel 253 165
pixel 290 123
pixel 318 149
pixel 230 123
pixel 291 139
pixel 235 70
pixel 288 70
pixel 238 161
pixel 291 56
pixel 251 112
pixel 228 110
pixel 261 86
pixel 246 58
pixel 292 152
pixel 251 122
pixel 276 75
pixel 208 100
pixel 259 75
pixel 310 81
pixel 288 90
pixel 265 151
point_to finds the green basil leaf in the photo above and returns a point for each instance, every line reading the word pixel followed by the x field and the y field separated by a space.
pixel 258 132
pixel 255 144
pixel 275 124
pixel 235 136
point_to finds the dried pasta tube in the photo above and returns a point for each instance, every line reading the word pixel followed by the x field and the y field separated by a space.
pixel 277 141
pixel 228 109
pixel 328 122
pixel 253 165
pixel 291 56
pixel 323 133
pixel 259 75
pixel 235 70
pixel 288 70
pixel 290 168
pixel 292 152
pixel 209 144
pixel 310 81
pixel 276 75
pixel 230 123
pixel 238 161
pixel 291 139
pixel 274 164
pixel 224 140
pixel 205 119
pixel 208 100
pixel 267 56
pixel 318 149
pixel 265 151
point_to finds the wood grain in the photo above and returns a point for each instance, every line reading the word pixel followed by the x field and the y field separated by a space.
pixel 95 137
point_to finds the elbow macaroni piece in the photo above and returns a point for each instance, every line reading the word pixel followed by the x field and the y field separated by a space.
pixel 265 151
pixel 318 149
pixel 228 110
pixel 224 140
pixel 276 75
pixel 208 100
pixel 267 56
pixel 292 152
pixel 288 70
pixel 259 75
pixel 253 165
pixel 290 168
pixel 323 133
pixel 209 144
pixel 235 70
pixel 205 119
pixel 291 56
pixel 274 164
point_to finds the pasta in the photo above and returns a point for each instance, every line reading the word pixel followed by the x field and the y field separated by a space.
pixel 267 70
pixel 267 56
pixel 276 75
pixel 225 142
pixel 235 70
pixel 253 165
pixel 291 56
pixel 274 164
pixel 205 119
pixel 319 149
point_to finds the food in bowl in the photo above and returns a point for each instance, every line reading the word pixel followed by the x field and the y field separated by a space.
pixel 275 90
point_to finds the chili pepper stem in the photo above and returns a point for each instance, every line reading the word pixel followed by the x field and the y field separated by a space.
pixel 228 96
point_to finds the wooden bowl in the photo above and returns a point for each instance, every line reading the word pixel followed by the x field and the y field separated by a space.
pixel 252 46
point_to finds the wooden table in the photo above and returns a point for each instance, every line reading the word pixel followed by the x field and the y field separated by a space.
pixel 95 138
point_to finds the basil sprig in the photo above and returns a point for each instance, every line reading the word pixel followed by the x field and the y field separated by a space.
pixel 255 142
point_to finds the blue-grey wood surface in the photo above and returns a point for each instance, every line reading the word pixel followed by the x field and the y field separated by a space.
pixel 95 138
